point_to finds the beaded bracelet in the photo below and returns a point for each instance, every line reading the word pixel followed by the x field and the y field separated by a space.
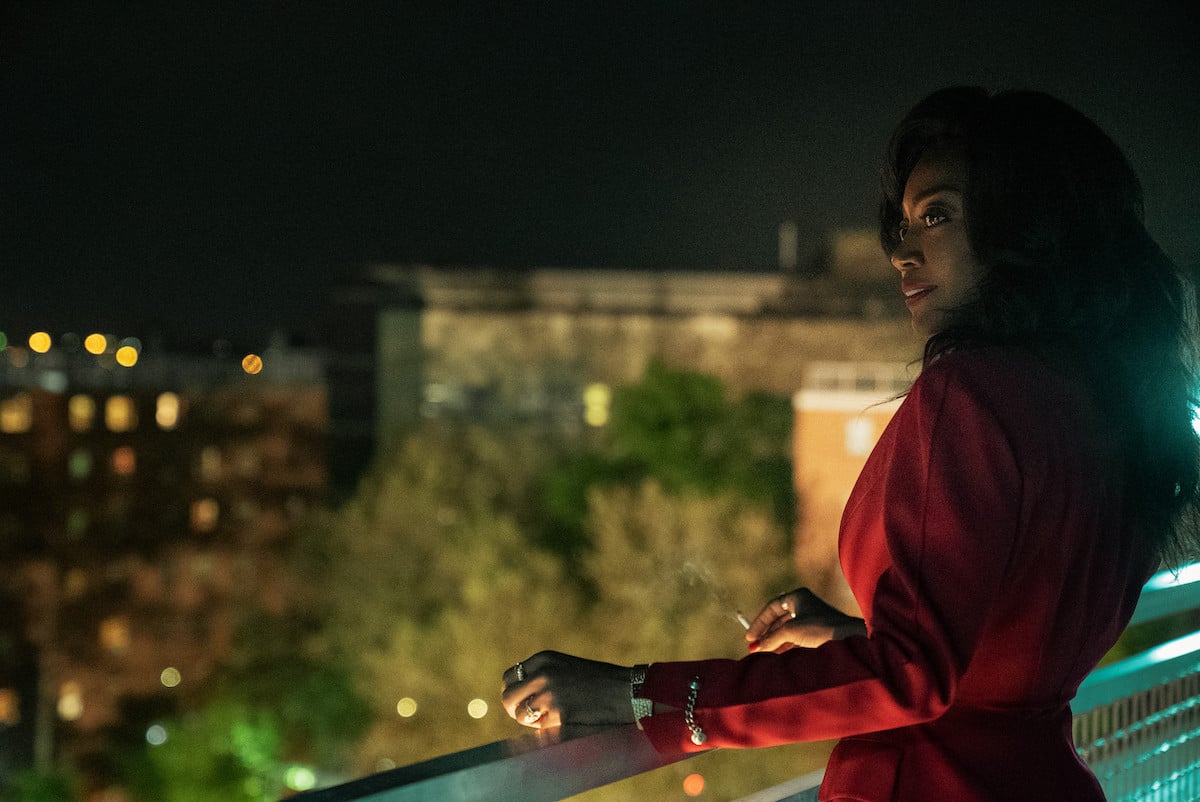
pixel 689 713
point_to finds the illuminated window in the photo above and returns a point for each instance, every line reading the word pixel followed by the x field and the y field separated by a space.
pixel 166 411
pixel 70 701
pixel 114 635
pixel 860 436
pixel 10 707
pixel 205 513
pixel 75 583
pixel 597 400
pixel 79 464
pixel 246 509
pixel 124 461
pixel 120 414
pixel 16 414
pixel 210 464
pixel 77 523
pixel 81 412
pixel 249 462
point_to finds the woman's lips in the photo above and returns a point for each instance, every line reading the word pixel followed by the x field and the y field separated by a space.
pixel 916 293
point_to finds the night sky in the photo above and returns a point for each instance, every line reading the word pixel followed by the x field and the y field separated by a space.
pixel 212 169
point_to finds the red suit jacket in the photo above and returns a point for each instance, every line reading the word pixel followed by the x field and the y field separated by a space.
pixel 988 545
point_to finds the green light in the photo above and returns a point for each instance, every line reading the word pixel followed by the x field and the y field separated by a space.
pixel 3 341
pixel 300 778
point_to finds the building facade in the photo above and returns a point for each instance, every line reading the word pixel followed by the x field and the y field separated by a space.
pixel 143 511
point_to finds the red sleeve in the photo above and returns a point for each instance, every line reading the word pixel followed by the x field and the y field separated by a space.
pixel 951 499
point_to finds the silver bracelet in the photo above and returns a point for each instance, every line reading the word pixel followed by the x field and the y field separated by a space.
pixel 689 713
pixel 641 707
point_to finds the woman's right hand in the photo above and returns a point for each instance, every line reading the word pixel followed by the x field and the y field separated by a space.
pixel 799 618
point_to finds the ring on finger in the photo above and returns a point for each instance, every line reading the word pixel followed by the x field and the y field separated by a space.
pixel 531 715
pixel 520 672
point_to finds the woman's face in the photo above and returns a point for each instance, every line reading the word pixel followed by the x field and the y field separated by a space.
pixel 938 271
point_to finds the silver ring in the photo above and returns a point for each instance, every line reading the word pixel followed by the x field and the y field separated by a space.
pixel 531 715
pixel 520 673
pixel 783 603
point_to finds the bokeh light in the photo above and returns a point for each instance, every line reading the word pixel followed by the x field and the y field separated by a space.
pixel 127 356
pixel 477 708
pixel 170 677
pixel 300 778
pixel 693 784
pixel 39 342
pixel 95 344
pixel 156 735
pixel 252 364
pixel 407 707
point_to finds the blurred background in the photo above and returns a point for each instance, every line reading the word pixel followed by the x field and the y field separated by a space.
pixel 349 356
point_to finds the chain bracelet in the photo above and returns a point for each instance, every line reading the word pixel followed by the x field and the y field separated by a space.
pixel 641 707
pixel 689 713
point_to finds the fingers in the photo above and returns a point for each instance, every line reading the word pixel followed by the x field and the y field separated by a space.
pixel 775 613
pixel 524 692
pixel 523 698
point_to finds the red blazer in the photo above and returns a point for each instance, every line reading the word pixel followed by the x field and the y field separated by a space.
pixel 987 544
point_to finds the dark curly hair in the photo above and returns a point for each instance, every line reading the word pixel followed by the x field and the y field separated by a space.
pixel 1054 214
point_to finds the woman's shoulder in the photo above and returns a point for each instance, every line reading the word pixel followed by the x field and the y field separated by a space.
pixel 1014 385
pixel 998 368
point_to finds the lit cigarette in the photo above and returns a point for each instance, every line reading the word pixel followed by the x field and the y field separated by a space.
pixel 741 619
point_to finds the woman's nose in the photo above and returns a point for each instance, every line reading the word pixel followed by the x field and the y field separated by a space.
pixel 907 254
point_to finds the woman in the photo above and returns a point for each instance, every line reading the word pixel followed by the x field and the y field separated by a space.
pixel 1039 470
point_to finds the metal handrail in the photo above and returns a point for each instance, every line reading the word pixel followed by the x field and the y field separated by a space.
pixel 554 764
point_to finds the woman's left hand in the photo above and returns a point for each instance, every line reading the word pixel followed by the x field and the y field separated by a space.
pixel 551 688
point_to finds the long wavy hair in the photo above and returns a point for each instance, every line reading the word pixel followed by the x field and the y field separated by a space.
pixel 1054 214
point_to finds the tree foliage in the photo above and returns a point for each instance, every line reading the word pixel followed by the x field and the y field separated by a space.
pixel 467 549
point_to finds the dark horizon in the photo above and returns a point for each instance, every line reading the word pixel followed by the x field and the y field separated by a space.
pixel 215 172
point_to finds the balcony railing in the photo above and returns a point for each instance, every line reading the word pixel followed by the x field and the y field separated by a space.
pixel 1137 724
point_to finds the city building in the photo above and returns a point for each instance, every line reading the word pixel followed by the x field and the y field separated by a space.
pixel 544 346
pixel 146 498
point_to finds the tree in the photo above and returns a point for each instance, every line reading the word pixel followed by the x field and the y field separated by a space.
pixel 431 588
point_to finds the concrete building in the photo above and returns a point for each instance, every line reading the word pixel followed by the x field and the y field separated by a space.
pixel 542 345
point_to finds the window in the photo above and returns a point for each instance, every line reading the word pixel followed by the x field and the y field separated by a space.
pixel 81 413
pixel 16 414
pixel 77 523
pixel 860 436
pixel 79 464
pixel 166 411
pixel 70 701
pixel 205 513
pixel 120 414
pixel 124 461
pixel 10 707
pixel 114 635
pixel 210 466
pixel 597 401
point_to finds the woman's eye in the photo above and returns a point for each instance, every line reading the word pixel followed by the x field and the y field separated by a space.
pixel 933 218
